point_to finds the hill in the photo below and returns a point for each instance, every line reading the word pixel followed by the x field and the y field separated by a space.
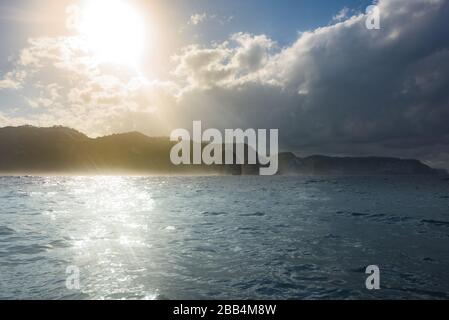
pixel 61 150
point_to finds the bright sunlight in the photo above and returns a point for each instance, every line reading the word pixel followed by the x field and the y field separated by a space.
pixel 114 30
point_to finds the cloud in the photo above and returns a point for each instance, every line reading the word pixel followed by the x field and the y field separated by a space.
pixel 12 80
pixel 340 89
pixel 198 18
pixel 341 15
pixel 66 85
pixel 224 64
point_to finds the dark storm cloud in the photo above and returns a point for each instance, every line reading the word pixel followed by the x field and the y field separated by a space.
pixel 344 89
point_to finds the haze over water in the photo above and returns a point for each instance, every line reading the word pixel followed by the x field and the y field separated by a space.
pixel 223 237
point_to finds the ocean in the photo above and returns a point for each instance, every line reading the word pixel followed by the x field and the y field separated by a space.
pixel 236 237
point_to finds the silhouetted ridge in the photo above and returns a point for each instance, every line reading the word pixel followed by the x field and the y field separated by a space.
pixel 323 165
pixel 61 150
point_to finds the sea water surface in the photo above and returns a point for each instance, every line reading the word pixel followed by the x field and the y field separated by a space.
pixel 223 237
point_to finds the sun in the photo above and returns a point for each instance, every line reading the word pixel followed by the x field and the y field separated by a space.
pixel 114 31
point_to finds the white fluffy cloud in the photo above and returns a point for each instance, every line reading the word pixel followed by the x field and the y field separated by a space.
pixel 226 64
pixel 64 85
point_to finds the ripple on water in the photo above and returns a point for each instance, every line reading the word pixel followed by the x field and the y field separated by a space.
pixel 31 249
pixel 438 223
pixel 254 214
pixel 214 213
pixel 5 231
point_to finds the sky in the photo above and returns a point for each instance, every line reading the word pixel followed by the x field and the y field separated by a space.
pixel 311 69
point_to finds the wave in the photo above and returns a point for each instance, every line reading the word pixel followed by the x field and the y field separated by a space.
pixel 5 231
pixel 436 222
pixel 254 214
pixel 214 213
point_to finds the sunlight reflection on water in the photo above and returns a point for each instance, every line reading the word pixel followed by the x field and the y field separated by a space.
pixel 116 216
